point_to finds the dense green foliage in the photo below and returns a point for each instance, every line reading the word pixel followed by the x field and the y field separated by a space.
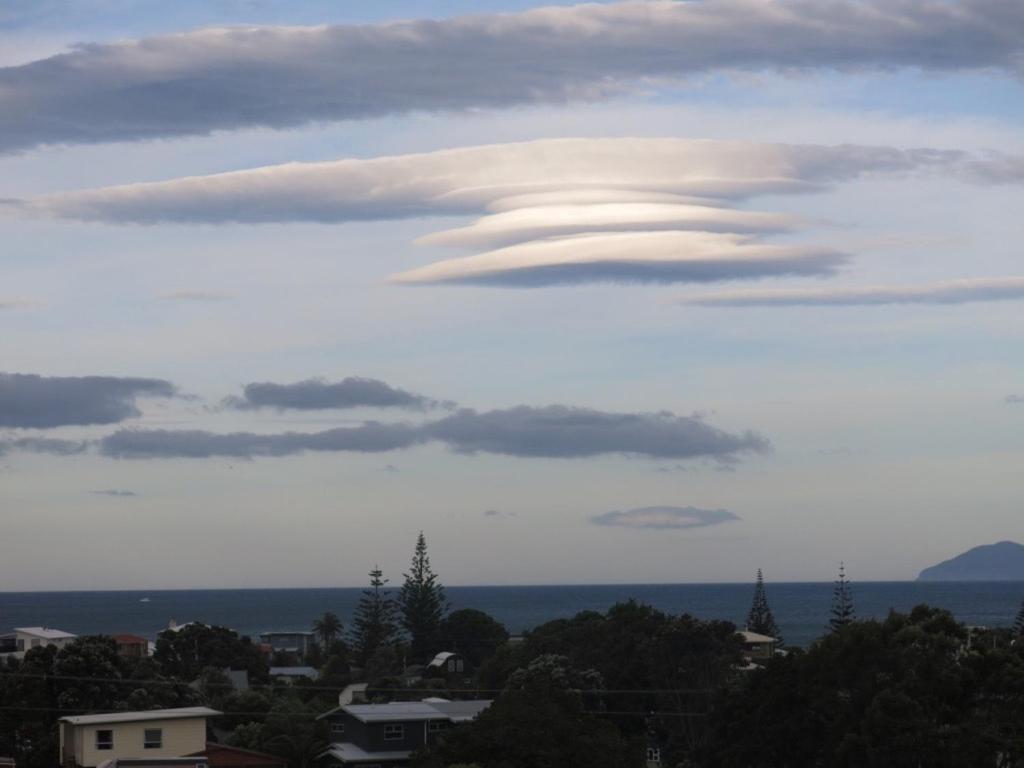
pixel 184 653
pixel 328 629
pixel 472 633
pixel 422 604
pixel 907 691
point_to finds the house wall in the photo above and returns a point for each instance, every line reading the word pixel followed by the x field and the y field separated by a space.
pixel 412 737
pixel 184 736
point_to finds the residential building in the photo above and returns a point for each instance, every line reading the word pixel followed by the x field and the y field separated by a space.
pixel 288 674
pixel 379 734
pixel 447 663
pixel 132 646
pixel 155 762
pixel 299 643
pixel 757 647
pixel 223 756
pixel 24 639
pixel 86 741
pixel 7 762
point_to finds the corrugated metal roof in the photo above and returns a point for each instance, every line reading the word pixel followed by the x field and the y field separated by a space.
pixel 349 753
pixel 398 711
pixel 754 637
pixel 294 672
pixel 132 717
pixel 46 633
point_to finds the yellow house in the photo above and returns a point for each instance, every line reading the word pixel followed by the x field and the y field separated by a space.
pixel 86 741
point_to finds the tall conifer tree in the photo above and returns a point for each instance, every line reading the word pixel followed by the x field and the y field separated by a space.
pixel 842 612
pixel 422 602
pixel 373 625
pixel 760 618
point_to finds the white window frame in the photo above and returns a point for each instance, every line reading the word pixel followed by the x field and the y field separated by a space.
pixel 337 727
pixel 104 746
pixel 394 731
pixel 436 726
pixel 653 755
pixel 150 743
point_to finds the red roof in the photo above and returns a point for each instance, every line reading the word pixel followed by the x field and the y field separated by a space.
pixel 223 755
pixel 129 639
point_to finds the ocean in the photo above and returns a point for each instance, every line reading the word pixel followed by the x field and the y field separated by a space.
pixel 801 609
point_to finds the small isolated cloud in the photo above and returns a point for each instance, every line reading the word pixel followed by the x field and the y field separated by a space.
pixel 227 78
pixel 1014 399
pixel 555 431
pixel 319 394
pixel 948 292
pixel 665 517
pixel 194 296
pixel 33 401
pixel 390 468
pixel 16 304
pixel 115 492
pixel 47 445
pixel 494 513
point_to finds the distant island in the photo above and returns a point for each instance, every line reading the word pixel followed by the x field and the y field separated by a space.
pixel 1003 561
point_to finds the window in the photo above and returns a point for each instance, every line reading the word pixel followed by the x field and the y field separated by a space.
pixel 436 726
pixel 21 644
pixel 653 755
pixel 104 739
pixel 337 727
pixel 394 732
pixel 153 738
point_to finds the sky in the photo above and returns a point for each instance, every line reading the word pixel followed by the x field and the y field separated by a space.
pixel 622 292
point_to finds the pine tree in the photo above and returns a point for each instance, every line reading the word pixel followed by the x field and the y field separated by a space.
pixel 842 603
pixel 1018 625
pixel 373 625
pixel 760 618
pixel 422 602
pixel 327 629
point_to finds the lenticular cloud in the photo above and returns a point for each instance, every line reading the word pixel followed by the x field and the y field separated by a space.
pixel 551 212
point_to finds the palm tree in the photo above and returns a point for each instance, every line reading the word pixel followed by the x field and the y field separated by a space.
pixel 327 628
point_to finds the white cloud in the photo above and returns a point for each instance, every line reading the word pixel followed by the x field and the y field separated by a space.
pixel 567 210
pixel 947 292
pixel 227 78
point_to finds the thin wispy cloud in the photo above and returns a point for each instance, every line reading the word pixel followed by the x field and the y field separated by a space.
pixel 663 518
pixel 320 394
pixel 1014 399
pixel 115 492
pixel 562 211
pixel 46 445
pixel 194 296
pixel 33 401
pixel 16 304
pixel 947 292
pixel 228 78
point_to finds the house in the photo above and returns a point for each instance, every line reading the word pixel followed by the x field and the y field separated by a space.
pixel 87 741
pixel 299 643
pixel 223 756
pixel 289 674
pixel 447 663
pixel 379 734
pixel 6 762
pixel 757 647
pixel 25 638
pixel 353 693
pixel 132 646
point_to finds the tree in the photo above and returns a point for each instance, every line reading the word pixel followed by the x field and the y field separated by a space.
pixel 1018 625
pixel 842 603
pixel 373 624
pixel 186 652
pixel 422 603
pixel 327 628
pixel 473 633
pixel 760 618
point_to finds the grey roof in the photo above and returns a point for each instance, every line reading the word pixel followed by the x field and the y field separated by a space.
pixel 440 659
pixel 755 638
pixel 404 711
pixel 47 633
pixel 294 672
pixel 132 717
pixel 275 632
pixel 347 752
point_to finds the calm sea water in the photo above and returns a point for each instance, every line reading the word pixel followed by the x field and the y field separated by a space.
pixel 801 609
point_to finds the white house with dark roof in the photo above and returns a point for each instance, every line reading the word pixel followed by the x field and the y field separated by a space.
pixel 88 741
pixel 387 734
pixel 24 639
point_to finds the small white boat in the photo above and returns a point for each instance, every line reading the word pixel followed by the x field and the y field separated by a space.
pixel 143 599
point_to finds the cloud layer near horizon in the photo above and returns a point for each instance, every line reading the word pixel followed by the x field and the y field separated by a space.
pixel 32 401
pixel 228 78
pixel 663 518
pixel 947 292
pixel 555 431
pixel 556 211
